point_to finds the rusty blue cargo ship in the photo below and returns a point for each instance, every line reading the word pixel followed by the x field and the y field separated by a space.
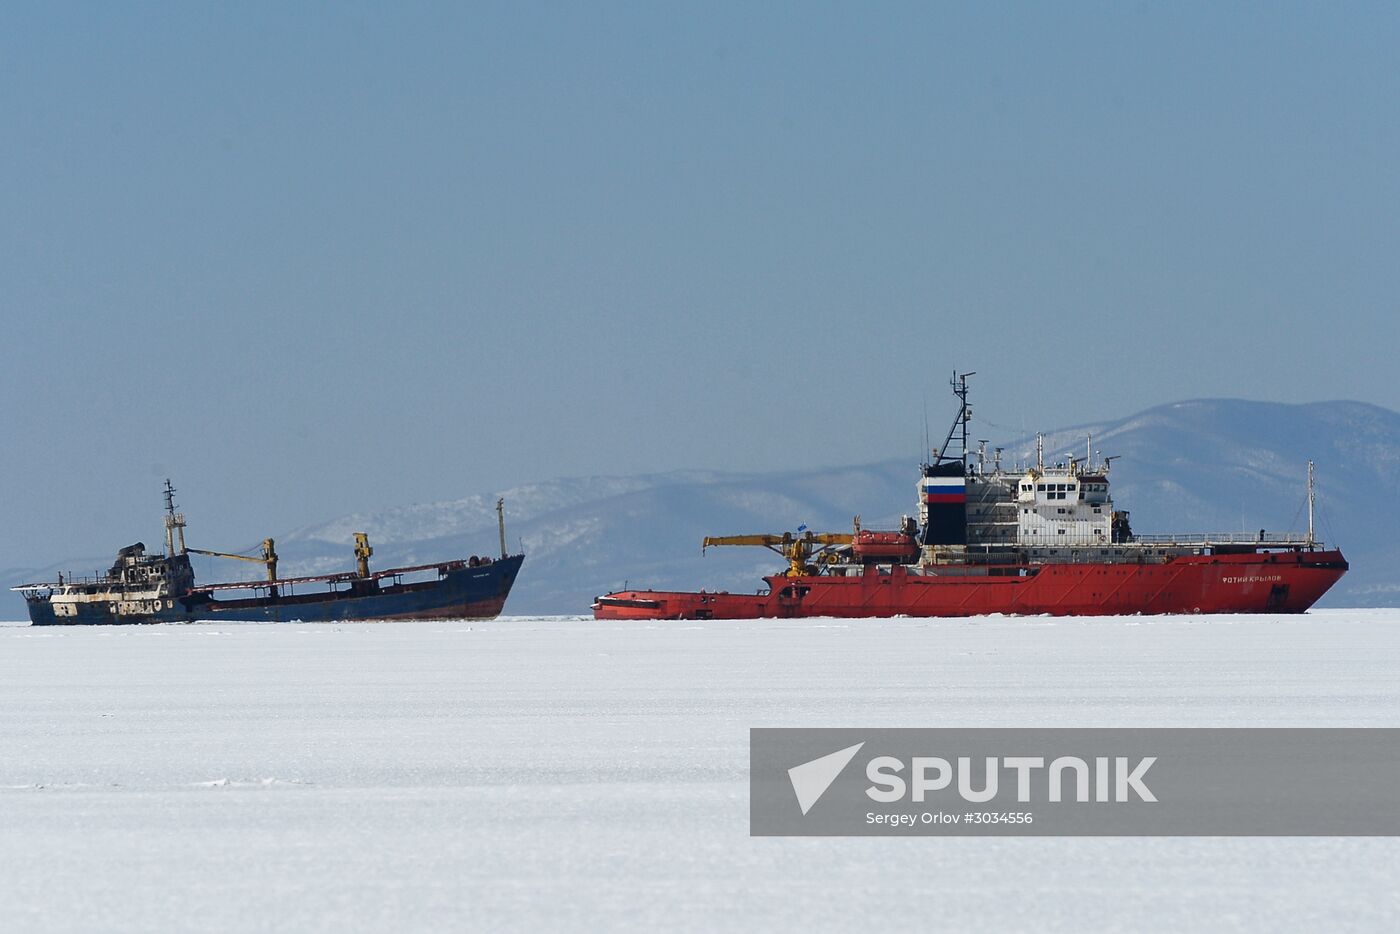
pixel 161 588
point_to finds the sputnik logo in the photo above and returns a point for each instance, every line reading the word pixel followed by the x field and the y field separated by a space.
pixel 810 780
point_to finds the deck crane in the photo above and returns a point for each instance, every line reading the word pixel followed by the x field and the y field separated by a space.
pixel 799 550
pixel 268 557
pixel 363 552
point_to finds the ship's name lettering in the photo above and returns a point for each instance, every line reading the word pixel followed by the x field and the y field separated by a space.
pixel 1253 579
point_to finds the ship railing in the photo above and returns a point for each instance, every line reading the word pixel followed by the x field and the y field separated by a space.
pixel 1142 547
pixel 1288 539
pixel 1192 539
pixel 42 589
pixel 68 580
pixel 342 577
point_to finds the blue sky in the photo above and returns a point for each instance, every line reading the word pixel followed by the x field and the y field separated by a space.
pixel 312 259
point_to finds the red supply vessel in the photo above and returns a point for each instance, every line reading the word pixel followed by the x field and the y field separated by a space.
pixel 1043 539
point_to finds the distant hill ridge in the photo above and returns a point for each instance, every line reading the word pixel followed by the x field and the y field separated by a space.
pixel 1206 465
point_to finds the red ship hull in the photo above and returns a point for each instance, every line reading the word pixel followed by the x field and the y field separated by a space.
pixel 1286 582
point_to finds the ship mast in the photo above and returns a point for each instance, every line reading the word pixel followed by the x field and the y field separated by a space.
pixel 1312 497
pixel 501 522
pixel 174 522
pixel 959 383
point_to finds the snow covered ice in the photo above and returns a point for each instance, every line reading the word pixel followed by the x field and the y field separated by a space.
pixel 562 773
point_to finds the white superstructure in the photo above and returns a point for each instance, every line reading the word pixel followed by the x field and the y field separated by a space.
pixel 1062 506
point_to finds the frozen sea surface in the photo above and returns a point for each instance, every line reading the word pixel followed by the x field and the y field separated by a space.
pixel 568 774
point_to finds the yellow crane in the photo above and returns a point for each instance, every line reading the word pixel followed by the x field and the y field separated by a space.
pixel 362 553
pixel 268 557
pixel 799 550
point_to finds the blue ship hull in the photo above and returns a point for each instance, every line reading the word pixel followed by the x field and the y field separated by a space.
pixel 460 592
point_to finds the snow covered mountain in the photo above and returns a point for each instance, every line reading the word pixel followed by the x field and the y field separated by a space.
pixel 1199 466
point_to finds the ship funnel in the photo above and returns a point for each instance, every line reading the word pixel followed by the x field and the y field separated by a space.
pixel 943 504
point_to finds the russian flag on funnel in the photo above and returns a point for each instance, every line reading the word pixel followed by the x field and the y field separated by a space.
pixel 945 490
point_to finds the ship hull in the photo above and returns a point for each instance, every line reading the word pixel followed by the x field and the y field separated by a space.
pixel 1288 582
pixel 462 592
